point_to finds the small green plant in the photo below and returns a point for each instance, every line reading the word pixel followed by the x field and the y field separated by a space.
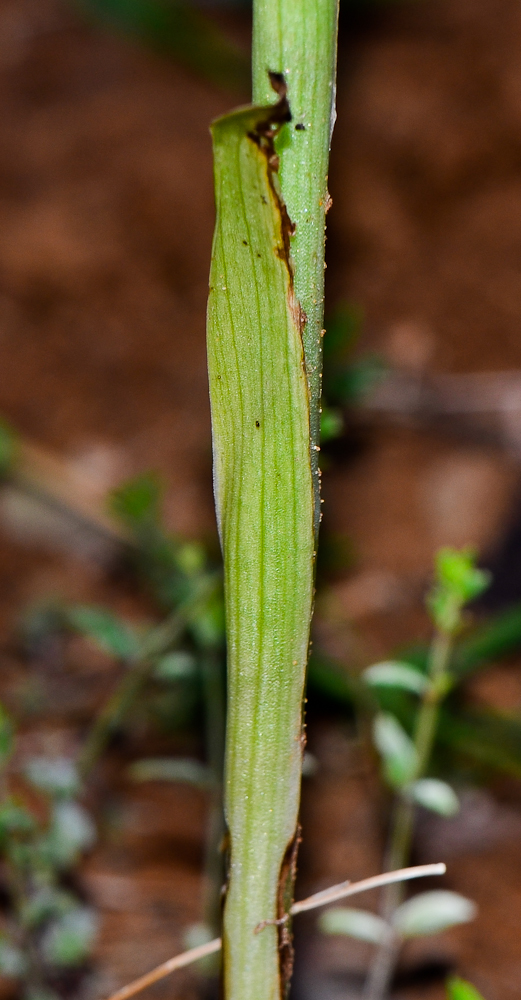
pixel 169 670
pixel 47 928
pixel 406 760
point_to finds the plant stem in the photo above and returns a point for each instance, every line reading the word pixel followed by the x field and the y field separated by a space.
pixel 264 351
pixel 402 825
pixel 298 38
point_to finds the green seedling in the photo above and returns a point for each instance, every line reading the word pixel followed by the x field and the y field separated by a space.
pixel 48 929
pixel 406 759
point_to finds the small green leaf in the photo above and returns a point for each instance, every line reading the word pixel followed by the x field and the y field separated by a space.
pixel 138 501
pixel 457 581
pixel 190 558
pixel 432 912
pixel 208 627
pixel 107 631
pixel 497 637
pixel 186 771
pixel 393 673
pixel 176 667
pixel 71 833
pixel 396 748
pixel 459 989
pixel 458 573
pixel 435 795
pixel 331 423
pixel 360 924
pixel 68 941
pixel 54 775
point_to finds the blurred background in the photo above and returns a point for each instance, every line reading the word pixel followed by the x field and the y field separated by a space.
pixel 106 217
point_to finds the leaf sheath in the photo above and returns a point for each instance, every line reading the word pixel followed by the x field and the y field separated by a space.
pixel 264 499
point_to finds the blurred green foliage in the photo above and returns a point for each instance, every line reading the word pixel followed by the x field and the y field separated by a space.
pixel 346 377
pixel 48 928
pixel 177 29
pixel 459 989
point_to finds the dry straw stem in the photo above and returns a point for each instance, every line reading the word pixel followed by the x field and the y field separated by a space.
pixel 331 895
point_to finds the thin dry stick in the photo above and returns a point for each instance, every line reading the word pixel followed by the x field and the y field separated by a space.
pixel 186 958
pixel 330 895
pixel 344 889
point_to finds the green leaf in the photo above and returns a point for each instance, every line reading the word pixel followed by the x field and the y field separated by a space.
pixel 432 912
pixel 435 795
pixel 208 627
pixel 393 673
pixel 68 941
pixel 360 924
pixel 495 638
pixel 456 571
pixel 457 581
pixel 490 738
pixel 106 630
pixel 176 667
pixel 331 423
pixel 459 989
pixel 396 748
pixel 56 776
pixel 499 636
pixel 138 501
pixel 186 771
pixel 72 832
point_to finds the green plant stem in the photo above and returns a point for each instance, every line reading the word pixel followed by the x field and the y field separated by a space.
pixel 402 825
pixel 157 641
pixel 298 38
pixel 264 348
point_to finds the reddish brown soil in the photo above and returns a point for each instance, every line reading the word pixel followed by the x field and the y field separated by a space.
pixel 105 233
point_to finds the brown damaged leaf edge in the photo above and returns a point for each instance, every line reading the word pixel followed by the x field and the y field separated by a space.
pixel 288 874
pixel 264 136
